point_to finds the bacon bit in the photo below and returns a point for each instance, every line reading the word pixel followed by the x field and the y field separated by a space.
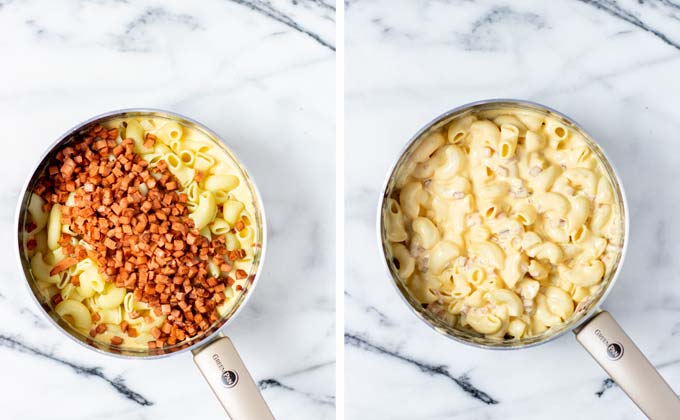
pixel 241 274
pixel 146 244
pixel 56 299
pixel 110 243
pixel 100 328
pixel 31 244
pixel 93 333
pixel 66 246
pixel 116 340
pixel 124 326
pixel 239 226
pixel 68 167
pixel 151 345
pixel 146 206
pixel 156 332
pixel 118 150
pixel 80 252
pixel 63 265
pixel 191 239
pixel 96 317
pixel 30 227
pixel 142 221
pixel 167 328
pixel 238 288
pixel 75 280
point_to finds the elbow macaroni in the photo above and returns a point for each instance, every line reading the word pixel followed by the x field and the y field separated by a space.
pixel 507 222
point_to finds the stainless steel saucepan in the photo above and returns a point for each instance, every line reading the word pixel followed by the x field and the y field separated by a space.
pixel 594 328
pixel 214 353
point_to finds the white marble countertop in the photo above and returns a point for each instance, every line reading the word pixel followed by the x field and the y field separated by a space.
pixel 260 75
pixel 612 66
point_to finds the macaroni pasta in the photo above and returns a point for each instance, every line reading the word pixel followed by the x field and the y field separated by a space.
pixel 502 222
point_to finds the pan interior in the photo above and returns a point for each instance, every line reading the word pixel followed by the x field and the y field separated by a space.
pixel 235 302
pixel 468 336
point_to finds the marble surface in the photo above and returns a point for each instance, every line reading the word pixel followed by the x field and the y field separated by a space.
pixel 612 66
pixel 259 73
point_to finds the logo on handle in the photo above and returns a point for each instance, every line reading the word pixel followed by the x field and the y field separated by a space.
pixel 614 349
pixel 229 377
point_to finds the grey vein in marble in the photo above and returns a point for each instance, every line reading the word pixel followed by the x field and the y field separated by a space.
pixel 275 383
pixel 484 35
pixel 37 320
pixel 118 383
pixel 309 369
pixel 391 31
pixel 327 5
pixel 676 329
pixel 370 309
pixel 129 41
pixel 266 8
pixel 37 30
pixel 610 383
pixel 614 9
pixel 606 384
pixel 462 381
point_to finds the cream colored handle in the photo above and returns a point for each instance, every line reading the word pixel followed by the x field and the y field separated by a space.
pixel 628 367
pixel 229 379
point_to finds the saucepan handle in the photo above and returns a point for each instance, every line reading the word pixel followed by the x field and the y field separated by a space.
pixel 609 345
pixel 229 379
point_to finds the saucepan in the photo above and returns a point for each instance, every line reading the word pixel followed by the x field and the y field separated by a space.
pixel 213 353
pixel 595 329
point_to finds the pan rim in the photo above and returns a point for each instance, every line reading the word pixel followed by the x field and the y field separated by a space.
pixel 141 354
pixel 424 315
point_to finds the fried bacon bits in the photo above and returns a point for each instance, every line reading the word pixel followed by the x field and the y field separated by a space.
pixel 145 243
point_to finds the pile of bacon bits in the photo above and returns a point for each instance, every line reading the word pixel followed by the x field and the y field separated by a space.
pixel 144 243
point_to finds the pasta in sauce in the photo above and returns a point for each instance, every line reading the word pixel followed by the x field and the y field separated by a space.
pixel 502 222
